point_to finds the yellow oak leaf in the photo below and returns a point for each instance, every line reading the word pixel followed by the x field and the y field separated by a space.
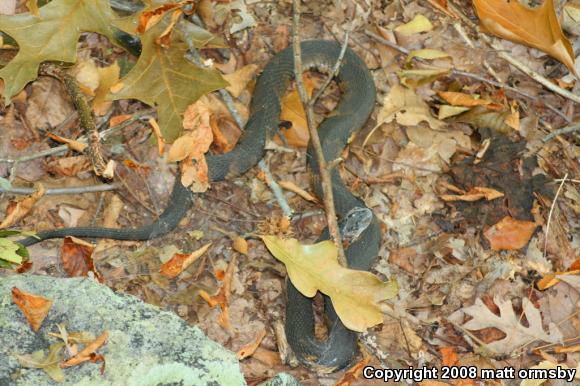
pixel 356 295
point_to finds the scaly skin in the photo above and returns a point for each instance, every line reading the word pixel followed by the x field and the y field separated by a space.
pixel 353 110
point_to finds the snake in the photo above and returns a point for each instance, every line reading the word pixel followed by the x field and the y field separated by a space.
pixel 358 95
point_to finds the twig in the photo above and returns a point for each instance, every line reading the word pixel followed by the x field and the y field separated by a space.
pixel 334 71
pixel 62 191
pixel 325 179
pixel 551 212
pixel 455 72
pixel 564 130
pixel 87 121
pixel 63 148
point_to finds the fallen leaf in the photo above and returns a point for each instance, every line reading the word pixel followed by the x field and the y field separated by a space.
pixel 554 278
pixel 547 365
pixel 474 194
pixel 248 349
pixel 419 24
pixel 70 215
pixel 34 307
pixel 193 145
pixel 140 168
pixel 52 36
pixel 535 27
pixel 446 111
pixel 88 353
pixel 292 111
pixel 180 261
pixel 240 245
pixel 157 132
pixel 354 372
pixel 71 143
pixel 407 108
pixel 242 19
pixel 69 166
pixel 164 78
pixel 420 77
pixel 571 18
pixel 482 117
pixel 449 356
pixel 356 295
pixel 517 335
pixel 49 363
pixel 118 119
pixel 462 99
pixel 239 80
pixel 86 74
pixel 443 6
pixel 222 297
pixel 426 53
pixel 16 211
pixel 108 76
pixel 291 186
pixel 77 258
pixel 510 234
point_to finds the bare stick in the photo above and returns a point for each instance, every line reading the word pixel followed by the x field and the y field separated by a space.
pixel 473 76
pixel 325 179
pixel 563 130
pixel 62 191
pixel 86 118
pixel 552 212
pixel 334 71
pixel 64 148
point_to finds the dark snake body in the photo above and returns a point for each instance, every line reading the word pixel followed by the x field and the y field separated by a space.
pixel 353 110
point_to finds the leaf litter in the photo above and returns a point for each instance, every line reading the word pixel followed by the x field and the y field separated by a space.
pixel 417 145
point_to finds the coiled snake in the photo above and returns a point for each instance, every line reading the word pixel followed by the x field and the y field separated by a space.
pixel 353 110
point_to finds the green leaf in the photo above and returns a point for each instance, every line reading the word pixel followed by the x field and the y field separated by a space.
pixel 52 36
pixel 9 251
pixel 162 77
pixel 356 295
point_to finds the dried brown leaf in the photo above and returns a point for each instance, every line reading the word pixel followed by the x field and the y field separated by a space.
pixel 34 307
pixel 535 27
pixel 181 261
pixel 510 234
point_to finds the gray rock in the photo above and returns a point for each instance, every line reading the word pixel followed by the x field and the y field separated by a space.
pixel 146 346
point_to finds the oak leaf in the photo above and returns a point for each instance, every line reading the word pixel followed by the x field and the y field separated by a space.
pixel 517 335
pixel 162 77
pixel 51 36
pixel 355 295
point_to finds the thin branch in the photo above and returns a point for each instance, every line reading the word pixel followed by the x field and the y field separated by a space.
pixel 87 121
pixel 552 212
pixel 64 148
pixel 455 72
pixel 62 191
pixel 325 179
pixel 561 131
pixel 334 71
